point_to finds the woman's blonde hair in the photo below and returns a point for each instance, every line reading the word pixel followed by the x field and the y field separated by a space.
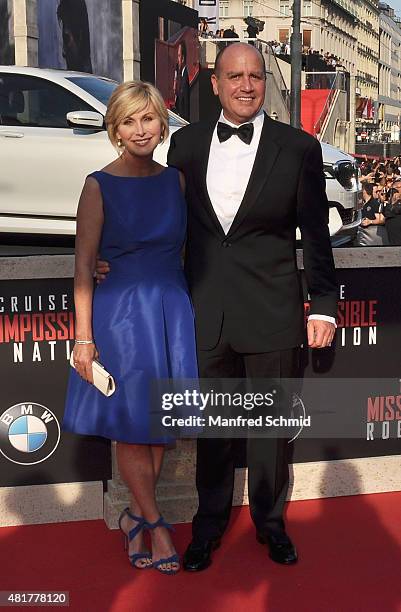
pixel 134 97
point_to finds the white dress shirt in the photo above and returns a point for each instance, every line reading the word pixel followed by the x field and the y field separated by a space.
pixel 229 168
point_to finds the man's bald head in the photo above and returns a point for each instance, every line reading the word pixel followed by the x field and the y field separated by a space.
pixel 239 80
pixel 233 51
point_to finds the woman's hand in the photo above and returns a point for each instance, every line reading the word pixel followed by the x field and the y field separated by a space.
pixel 83 356
pixel 102 270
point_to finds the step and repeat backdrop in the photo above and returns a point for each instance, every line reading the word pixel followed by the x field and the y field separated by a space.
pixel 36 339
pixel 366 349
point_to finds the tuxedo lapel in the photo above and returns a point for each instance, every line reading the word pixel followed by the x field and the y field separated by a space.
pixel 266 156
pixel 202 158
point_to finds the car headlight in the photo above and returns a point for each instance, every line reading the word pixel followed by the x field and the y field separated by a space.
pixel 346 174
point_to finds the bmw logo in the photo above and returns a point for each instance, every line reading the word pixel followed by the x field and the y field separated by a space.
pixel 29 433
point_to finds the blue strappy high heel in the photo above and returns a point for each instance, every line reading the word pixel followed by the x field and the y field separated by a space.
pixel 174 558
pixel 142 524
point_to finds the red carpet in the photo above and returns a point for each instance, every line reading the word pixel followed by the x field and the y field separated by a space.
pixel 312 104
pixel 350 561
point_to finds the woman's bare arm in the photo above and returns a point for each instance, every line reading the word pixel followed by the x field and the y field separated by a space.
pixel 182 181
pixel 89 227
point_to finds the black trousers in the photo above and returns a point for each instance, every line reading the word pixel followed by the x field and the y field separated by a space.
pixel 267 458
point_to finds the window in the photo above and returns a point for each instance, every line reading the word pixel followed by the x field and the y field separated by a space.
pixel 248 8
pixel 285 7
pixel 34 102
pixel 176 120
pixel 101 89
pixel 224 8
pixel 306 38
pixel 307 8
pixel 283 36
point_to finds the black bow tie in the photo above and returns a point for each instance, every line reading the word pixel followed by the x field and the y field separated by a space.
pixel 244 132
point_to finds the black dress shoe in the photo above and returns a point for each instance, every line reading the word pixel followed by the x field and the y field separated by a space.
pixel 282 550
pixel 197 557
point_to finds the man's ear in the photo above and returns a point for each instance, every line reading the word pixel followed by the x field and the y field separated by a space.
pixel 215 86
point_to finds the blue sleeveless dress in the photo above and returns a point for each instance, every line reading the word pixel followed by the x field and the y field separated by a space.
pixel 143 322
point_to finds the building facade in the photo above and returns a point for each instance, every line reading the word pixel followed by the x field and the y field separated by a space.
pixel 359 33
pixel 326 25
pixel 367 74
pixel 389 74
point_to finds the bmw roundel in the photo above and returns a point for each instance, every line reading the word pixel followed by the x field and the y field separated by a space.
pixel 29 433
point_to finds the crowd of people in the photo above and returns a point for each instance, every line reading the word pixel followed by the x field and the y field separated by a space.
pixel 331 60
pixel 206 32
pixel 327 61
pixel 280 48
pixel 311 58
pixel 381 212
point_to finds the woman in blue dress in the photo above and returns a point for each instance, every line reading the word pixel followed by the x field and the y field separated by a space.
pixel 139 321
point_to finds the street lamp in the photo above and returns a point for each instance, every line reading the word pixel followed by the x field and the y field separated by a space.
pixel 296 65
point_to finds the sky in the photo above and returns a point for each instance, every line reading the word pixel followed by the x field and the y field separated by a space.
pixel 395 4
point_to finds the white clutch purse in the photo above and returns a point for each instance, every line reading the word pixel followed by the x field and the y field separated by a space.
pixel 102 380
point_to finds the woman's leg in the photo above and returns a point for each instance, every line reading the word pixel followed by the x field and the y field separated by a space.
pixel 138 470
pixel 124 460
pixel 157 455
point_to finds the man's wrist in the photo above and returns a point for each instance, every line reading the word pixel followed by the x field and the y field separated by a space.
pixel 318 317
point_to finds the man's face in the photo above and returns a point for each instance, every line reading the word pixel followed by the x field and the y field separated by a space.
pixel 70 50
pixel 396 197
pixel 376 191
pixel 180 57
pixel 382 196
pixel 366 196
pixel 240 83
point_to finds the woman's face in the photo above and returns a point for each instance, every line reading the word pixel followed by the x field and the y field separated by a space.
pixel 141 132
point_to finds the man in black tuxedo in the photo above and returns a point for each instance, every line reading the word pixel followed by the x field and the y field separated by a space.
pixel 250 181
pixel 183 89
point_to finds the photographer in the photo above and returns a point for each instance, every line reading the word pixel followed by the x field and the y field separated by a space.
pixel 371 232
pixel 392 214
pixel 254 27
pixel 252 31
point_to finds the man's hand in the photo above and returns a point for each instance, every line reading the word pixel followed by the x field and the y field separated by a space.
pixel 396 197
pixel 320 333
pixel 102 270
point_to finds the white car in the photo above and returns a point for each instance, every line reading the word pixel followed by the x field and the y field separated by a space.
pixel 52 135
pixel 344 192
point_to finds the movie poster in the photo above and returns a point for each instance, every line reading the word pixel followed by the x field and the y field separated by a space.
pixel 7 53
pixel 366 347
pixel 177 68
pixel 81 35
pixel 36 340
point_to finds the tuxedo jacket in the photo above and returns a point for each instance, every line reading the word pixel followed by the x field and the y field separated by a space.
pixel 182 100
pixel 249 277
